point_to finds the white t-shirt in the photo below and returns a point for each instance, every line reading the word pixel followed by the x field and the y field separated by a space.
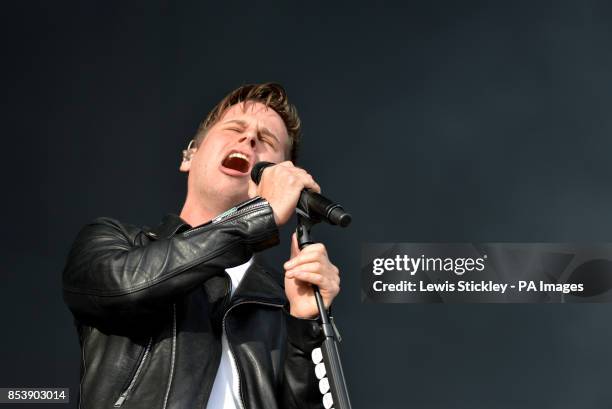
pixel 224 394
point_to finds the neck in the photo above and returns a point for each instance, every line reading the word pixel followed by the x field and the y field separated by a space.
pixel 197 212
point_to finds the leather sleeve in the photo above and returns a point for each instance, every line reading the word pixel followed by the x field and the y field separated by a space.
pixel 109 277
pixel 300 389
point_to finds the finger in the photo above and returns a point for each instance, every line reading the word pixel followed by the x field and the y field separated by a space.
pixel 270 169
pixel 306 179
pixel 312 278
pixel 331 277
pixel 316 248
pixel 312 185
pixel 312 252
pixel 314 267
pixel 287 164
pixel 327 286
pixel 303 258
pixel 295 249
pixel 309 182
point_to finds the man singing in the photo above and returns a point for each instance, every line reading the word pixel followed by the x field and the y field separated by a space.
pixel 182 315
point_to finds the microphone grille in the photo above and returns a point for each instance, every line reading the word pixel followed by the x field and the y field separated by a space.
pixel 258 169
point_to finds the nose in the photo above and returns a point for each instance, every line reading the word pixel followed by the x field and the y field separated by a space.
pixel 250 138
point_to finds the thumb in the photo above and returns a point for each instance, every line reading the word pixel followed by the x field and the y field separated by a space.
pixel 295 250
pixel 252 189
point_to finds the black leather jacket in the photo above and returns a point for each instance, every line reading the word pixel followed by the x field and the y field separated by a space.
pixel 150 306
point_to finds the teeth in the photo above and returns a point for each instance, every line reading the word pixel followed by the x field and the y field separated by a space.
pixel 237 155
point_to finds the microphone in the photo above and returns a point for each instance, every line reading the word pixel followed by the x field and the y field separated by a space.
pixel 311 204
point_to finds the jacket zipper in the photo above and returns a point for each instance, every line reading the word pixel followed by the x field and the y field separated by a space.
pixel 237 210
pixel 173 356
pixel 233 359
pixel 127 391
pixel 232 214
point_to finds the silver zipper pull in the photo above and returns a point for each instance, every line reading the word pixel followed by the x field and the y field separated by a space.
pixel 243 206
pixel 120 400
pixel 224 214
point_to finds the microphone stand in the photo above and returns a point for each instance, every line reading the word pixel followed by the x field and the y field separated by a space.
pixel 329 348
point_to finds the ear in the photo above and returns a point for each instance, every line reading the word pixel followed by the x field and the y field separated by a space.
pixel 187 155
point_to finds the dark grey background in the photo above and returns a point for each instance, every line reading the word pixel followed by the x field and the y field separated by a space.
pixel 431 121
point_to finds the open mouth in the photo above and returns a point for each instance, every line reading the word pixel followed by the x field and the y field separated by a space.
pixel 236 161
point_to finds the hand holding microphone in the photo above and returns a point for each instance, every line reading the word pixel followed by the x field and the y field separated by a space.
pixel 281 185
pixel 287 187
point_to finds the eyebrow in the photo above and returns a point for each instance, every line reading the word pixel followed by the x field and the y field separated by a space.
pixel 263 130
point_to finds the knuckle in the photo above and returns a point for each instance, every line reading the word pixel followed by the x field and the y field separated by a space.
pixel 319 247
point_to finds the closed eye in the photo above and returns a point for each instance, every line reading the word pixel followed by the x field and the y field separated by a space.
pixel 268 141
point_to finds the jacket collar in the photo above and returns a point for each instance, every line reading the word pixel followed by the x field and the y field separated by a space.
pixel 170 225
